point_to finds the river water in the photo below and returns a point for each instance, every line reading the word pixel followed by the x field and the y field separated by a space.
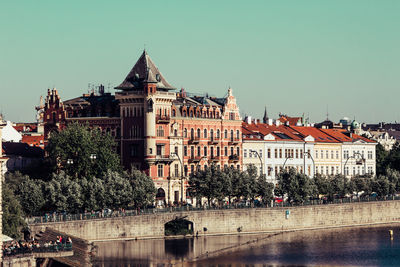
pixel 363 246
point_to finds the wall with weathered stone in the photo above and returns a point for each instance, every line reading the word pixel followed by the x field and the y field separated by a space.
pixel 15 261
pixel 229 221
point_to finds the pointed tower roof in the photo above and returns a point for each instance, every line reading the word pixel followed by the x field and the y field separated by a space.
pixel 144 71
pixel 265 118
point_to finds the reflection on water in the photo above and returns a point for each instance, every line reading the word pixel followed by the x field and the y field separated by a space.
pixel 338 247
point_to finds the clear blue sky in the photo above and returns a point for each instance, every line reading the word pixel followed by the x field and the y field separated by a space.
pixel 293 56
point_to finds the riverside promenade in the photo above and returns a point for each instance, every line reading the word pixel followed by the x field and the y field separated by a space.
pixel 229 220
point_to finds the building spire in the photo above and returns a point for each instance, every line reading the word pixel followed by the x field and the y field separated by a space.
pixel 265 118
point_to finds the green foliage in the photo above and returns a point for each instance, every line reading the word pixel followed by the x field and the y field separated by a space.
pixel 63 194
pixel 119 190
pixel 77 143
pixel 297 187
pixel 13 221
pixel 207 183
pixel 381 159
pixel 144 190
pixel 30 193
pixel 213 183
pixel 264 189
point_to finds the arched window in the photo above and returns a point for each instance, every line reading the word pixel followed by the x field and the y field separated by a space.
pixel 218 133
pixel 205 133
pixel 198 133
pixel 237 134
pixel 191 113
pixel 192 133
pixel 231 135
pixel 173 113
pixel 211 134
pixel 205 151
pixel 237 151
pixel 185 133
pixel 226 134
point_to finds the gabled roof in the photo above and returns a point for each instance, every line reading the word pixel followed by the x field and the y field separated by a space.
pixel 280 132
pixel 319 136
pixel 343 136
pixel 144 71
pixel 338 134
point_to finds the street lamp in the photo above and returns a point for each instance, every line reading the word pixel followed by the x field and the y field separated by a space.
pixel 93 156
pixel 70 161
pixel 259 157
pixel 284 163
pixel 309 154
pixel 354 157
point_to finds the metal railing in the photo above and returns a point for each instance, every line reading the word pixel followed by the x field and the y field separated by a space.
pixel 21 251
pixel 51 218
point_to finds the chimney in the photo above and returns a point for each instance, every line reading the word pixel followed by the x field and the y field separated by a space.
pixel 277 122
pixel 248 120
pixel 255 121
pixel 270 121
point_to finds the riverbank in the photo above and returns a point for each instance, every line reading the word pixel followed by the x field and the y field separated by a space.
pixel 306 248
pixel 232 221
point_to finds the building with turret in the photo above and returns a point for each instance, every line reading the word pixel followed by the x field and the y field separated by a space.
pixel 165 133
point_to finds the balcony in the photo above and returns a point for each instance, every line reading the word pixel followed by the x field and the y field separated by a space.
pixel 194 140
pixel 234 141
pixel 233 158
pixel 213 141
pixel 163 119
pixel 194 159
pixel 215 158
pixel 164 159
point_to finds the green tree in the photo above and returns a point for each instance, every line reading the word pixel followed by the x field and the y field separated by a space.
pixel 264 189
pixel 63 194
pixel 322 186
pixel 297 187
pixel 339 186
pixel 30 194
pixel 207 183
pixel 381 159
pixel 13 221
pixel 119 192
pixel 394 178
pixel 143 188
pixel 73 148
pixel 248 185
pixel 382 186
pixel 93 193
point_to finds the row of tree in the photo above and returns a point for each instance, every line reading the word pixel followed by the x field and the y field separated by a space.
pixel 81 171
pixel 299 187
pixel 230 183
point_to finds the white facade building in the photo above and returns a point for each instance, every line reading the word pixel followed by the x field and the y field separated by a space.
pixel 278 147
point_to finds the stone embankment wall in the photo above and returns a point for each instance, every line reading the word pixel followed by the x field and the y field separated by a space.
pixel 28 261
pixel 233 221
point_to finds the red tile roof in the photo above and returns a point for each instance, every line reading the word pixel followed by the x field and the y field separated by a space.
pixel 340 134
pixel 281 132
pixel 318 135
pixel 33 140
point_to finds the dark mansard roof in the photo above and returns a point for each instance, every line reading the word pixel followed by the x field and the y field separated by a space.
pixel 144 71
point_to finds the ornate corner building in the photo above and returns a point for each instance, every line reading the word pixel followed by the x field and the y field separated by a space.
pixel 165 133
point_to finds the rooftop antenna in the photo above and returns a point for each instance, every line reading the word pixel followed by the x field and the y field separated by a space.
pixel 327 112
pixel 108 87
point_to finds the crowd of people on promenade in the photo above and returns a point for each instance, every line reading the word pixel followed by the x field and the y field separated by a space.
pixel 12 248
